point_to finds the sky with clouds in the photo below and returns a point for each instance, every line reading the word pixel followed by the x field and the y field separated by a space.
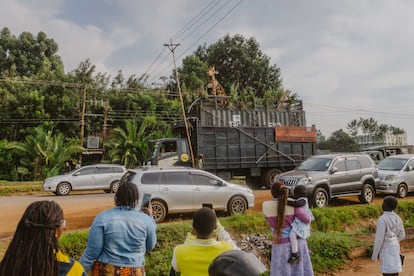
pixel 345 59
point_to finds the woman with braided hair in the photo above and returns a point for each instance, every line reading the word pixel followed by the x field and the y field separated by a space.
pixel 34 249
pixel 280 217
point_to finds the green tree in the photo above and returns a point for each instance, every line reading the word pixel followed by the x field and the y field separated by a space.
pixel 238 61
pixel 340 141
pixel 7 168
pixel 27 55
pixel 44 153
pixel 129 145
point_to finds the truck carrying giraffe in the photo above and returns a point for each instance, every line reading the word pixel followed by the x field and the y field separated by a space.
pixel 256 143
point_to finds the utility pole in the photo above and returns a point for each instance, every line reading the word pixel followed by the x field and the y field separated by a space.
pixel 105 126
pixel 172 48
pixel 82 122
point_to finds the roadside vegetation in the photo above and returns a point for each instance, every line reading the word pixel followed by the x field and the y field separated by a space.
pixel 9 188
pixel 336 231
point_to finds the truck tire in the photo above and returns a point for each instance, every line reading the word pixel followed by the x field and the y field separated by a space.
pixel 63 189
pixel 269 176
pixel 402 190
pixel 254 182
pixel 320 198
pixel 237 205
pixel 367 194
pixel 159 210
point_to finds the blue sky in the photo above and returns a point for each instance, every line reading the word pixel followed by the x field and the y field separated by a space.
pixel 345 59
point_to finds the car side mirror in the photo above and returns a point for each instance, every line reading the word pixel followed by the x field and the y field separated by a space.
pixel 334 170
pixel 409 168
pixel 76 174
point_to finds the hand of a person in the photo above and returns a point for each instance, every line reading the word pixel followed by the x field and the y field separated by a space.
pixel 148 210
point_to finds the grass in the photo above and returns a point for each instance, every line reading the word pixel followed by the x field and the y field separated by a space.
pixel 9 188
pixel 334 235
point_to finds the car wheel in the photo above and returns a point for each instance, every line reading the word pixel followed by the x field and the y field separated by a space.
pixel 159 210
pixel 114 186
pixel 320 198
pixel 402 190
pixel 254 182
pixel 63 189
pixel 237 205
pixel 269 177
pixel 367 194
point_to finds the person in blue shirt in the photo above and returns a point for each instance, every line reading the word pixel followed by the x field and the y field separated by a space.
pixel 120 237
pixel 34 249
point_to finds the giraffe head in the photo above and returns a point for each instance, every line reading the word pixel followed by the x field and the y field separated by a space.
pixel 211 71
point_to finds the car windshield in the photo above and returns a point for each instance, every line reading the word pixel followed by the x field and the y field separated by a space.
pixel 392 164
pixel 315 164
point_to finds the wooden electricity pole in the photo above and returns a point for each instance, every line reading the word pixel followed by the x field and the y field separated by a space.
pixel 82 122
pixel 172 48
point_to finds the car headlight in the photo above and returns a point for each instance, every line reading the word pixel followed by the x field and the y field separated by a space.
pixel 304 181
pixel 391 177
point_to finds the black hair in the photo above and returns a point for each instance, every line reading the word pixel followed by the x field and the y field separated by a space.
pixel 280 191
pixel 127 195
pixel 204 222
pixel 299 191
pixel 34 244
pixel 389 204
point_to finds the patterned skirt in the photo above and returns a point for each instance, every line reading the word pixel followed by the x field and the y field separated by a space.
pixel 102 269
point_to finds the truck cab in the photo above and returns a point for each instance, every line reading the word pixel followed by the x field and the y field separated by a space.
pixel 168 152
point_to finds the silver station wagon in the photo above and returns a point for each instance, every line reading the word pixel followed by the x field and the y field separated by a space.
pixel 93 177
pixel 185 190
pixel 396 175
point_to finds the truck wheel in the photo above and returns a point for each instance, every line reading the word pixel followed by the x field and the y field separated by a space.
pixel 269 177
pixel 402 190
pixel 367 194
pixel 237 205
pixel 254 182
pixel 63 189
pixel 159 210
pixel 320 198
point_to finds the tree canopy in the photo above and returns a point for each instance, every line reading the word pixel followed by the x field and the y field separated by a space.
pixel 239 63
pixel 28 56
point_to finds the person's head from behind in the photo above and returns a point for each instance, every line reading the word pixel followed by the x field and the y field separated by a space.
pixel 204 223
pixel 127 195
pixel 389 204
pixel 35 241
pixel 236 262
pixel 299 191
pixel 280 191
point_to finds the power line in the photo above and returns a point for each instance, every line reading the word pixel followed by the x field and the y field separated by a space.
pixel 204 34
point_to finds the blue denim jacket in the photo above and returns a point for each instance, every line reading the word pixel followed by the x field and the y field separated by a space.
pixel 120 237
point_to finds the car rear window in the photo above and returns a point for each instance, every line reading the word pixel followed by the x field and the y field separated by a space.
pixel 364 162
pixel 179 178
pixel 117 169
pixel 352 164
pixel 101 170
pixel 150 178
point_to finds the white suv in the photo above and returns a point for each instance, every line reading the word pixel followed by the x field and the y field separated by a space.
pixel 185 190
